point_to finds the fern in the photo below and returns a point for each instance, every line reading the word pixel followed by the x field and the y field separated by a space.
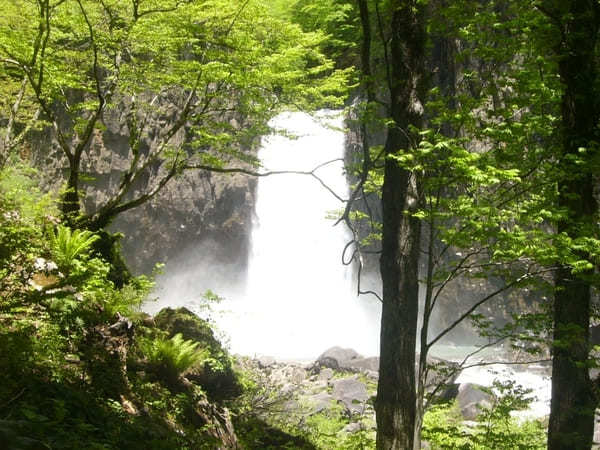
pixel 174 355
pixel 68 245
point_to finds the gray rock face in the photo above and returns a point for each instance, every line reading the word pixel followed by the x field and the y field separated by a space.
pixel 197 209
pixel 351 393
pixel 198 213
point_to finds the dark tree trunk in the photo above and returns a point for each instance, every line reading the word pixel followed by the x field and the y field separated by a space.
pixel 396 396
pixel 573 402
pixel 70 205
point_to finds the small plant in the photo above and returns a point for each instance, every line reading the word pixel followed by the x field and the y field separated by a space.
pixel 496 429
pixel 174 356
pixel 68 245
pixel 127 300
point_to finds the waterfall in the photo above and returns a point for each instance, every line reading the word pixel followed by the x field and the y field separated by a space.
pixel 300 299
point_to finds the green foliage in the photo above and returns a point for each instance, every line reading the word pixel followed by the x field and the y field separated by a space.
pixel 127 300
pixel 326 430
pixel 264 418
pixel 338 19
pixel 496 428
pixel 173 356
pixel 55 333
pixel 194 83
pixel 68 246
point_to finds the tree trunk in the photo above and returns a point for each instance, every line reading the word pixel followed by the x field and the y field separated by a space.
pixel 573 403
pixel 399 264
pixel 70 206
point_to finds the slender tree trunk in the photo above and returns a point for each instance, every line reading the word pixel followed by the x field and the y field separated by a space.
pixel 399 265
pixel 573 402
pixel 70 206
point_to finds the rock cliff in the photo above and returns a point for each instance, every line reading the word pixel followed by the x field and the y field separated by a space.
pixel 198 208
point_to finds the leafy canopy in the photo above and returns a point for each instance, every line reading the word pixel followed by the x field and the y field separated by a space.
pixel 190 84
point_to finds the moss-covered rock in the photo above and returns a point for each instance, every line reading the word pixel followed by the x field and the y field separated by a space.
pixel 216 376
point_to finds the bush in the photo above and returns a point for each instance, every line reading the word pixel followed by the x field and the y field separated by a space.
pixel 68 246
pixel 172 357
pixel 496 429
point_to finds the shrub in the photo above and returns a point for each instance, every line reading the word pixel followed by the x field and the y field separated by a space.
pixel 496 428
pixel 172 357
pixel 68 245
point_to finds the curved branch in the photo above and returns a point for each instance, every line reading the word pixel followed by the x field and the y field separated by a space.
pixel 477 304
pixel 272 172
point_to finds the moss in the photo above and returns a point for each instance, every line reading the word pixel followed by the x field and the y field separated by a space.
pixel 108 247
pixel 216 376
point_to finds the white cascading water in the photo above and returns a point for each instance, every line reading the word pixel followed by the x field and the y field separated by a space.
pixel 300 299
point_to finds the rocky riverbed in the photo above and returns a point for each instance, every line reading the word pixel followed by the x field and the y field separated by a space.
pixel 340 386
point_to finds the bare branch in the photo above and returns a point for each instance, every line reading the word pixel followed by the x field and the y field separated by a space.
pixel 270 173
pixel 480 302
pixel 453 273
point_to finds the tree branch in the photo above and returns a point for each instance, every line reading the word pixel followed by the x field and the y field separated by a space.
pixel 477 304
pixel 270 173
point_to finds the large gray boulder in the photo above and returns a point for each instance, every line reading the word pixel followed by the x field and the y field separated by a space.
pixel 338 358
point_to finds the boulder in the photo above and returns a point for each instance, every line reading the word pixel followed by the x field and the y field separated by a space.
pixel 265 362
pixel 326 374
pixel 319 402
pixel 219 381
pixel 352 427
pixel 471 398
pixel 351 393
pixel 338 358
pixel 289 374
